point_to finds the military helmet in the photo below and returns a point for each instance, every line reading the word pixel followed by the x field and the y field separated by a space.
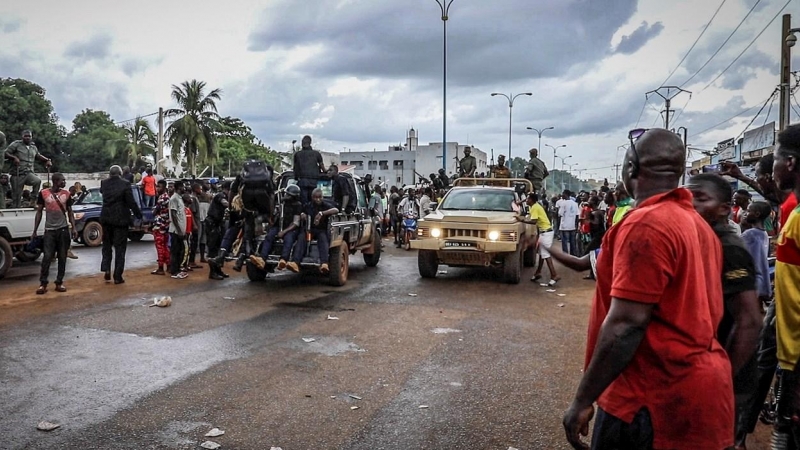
pixel 293 191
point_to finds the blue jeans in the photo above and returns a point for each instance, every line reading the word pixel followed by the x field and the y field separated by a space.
pixel 149 201
pixel 568 244
pixel 288 242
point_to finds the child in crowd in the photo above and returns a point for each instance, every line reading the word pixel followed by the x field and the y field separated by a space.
pixel 191 227
pixel 757 242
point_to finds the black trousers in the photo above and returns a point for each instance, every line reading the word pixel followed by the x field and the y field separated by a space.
pixel 56 242
pixel 611 433
pixel 116 238
pixel 177 250
pixel 213 237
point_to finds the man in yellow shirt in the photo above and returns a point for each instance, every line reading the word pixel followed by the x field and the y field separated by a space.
pixel 786 171
pixel 623 202
pixel 538 217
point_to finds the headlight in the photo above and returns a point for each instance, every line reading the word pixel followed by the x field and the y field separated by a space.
pixel 494 235
pixel 79 216
pixel 436 232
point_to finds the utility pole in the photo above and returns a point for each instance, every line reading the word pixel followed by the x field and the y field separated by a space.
pixel 160 135
pixel 788 40
pixel 670 93
pixel 616 171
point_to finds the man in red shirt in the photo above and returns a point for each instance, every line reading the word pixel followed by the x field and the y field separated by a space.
pixel 149 188
pixel 653 363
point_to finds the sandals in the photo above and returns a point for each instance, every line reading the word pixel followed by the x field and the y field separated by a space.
pixel 554 281
pixel 42 289
pixel 61 288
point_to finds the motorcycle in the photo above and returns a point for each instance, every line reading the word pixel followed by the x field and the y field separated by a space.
pixel 409 229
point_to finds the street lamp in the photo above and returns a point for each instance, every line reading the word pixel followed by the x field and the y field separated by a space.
pixel 444 6
pixel 510 99
pixel 569 183
pixel 555 154
pixel 562 169
pixel 540 132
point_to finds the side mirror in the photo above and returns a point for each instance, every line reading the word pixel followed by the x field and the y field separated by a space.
pixel 433 206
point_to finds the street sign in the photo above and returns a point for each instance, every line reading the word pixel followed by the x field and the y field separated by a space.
pixel 726 149
pixel 759 138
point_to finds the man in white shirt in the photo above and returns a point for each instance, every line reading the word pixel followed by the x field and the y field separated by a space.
pixel 568 215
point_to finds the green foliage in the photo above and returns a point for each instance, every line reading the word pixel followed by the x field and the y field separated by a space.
pixel 567 180
pixel 236 144
pixel 24 106
pixel 92 144
pixel 192 132
pixel 140 142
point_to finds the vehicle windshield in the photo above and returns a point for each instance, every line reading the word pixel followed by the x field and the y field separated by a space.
pixel 324 185
pixel 93 197
pixel 479 200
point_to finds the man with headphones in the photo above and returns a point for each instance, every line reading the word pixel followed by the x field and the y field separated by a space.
pixel 653 363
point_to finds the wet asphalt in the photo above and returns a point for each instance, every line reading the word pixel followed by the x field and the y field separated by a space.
pixel 466 363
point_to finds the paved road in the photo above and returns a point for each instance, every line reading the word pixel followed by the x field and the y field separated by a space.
pixel 465 363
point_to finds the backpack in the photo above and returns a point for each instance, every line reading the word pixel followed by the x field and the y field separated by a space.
pixel 256 174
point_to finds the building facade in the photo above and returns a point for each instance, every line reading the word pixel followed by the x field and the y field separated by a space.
pixel 402 165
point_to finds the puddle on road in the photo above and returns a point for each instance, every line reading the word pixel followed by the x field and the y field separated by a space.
pixel 329 346
pixel 79 376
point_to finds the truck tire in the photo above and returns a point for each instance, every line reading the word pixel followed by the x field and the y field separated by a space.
pixel 5 257
pixel 93 234
pixel 372 260
pixel 512 267
pixel 254 273
pixel 529 257
pixel 339 264
pixel 135 236
pixel 428 263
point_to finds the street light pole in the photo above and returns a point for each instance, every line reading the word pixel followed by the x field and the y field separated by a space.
pixel 540 132
pixel 445 8
pixel 510 99
pixel 555 154
pixel 562 168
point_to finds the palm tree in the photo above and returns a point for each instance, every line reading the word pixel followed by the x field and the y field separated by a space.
pixel 140 141
pixel 196 118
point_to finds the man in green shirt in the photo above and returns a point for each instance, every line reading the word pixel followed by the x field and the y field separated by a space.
pixel 536 171
pixel 23 153
pixel 468 165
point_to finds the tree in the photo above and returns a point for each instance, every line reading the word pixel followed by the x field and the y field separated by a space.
pixel 24 106
pixel 236 144
pixel 92 144
pixel 191 134
pixel 140 141
pixel 518 166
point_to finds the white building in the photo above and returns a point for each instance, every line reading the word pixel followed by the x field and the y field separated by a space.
pixel 406 164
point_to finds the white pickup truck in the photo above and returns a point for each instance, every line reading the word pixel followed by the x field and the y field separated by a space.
pixel 16 227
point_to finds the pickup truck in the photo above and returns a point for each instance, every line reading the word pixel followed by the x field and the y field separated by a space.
pixel 349 234
pixel 87 218
pixel 476 225
pixel 16 227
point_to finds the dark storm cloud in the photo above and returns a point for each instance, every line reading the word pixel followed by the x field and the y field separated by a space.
pixel 96 47
pixel 511 40
pixel 631 43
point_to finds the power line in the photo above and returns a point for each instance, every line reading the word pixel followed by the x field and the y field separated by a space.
pixel 769 100
pixel 723 44
pixel 135 118
pixel 695 42
pixel 748 46
pixel 644 105
pixel 682 109
pixel 741 113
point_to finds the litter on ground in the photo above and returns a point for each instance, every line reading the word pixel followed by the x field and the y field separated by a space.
pixel 561 305
pixel 423 406
pixel 162 302
pixel 562 295
pixel 210 445
pixel 229 298
pixel 308 340
pixel 215 432
pixel 551 290
pixel 412 295
pixel 354 408
pixel 354 396
pixel 47 426
pixel 444 331
pixel 330 317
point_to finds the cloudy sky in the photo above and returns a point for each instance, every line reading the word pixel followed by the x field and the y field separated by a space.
pixel 357 73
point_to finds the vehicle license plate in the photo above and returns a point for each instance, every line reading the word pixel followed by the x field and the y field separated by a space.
pixel 455 244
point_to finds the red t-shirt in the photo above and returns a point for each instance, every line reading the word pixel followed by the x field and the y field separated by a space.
pixel 149 185
pixel 586 226
pixel 189 220
pixel 787 207
pixel 680 372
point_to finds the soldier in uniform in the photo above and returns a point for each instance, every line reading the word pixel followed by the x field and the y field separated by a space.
pixel 536 171
pixel 468 165
pixel 23 153
pixel 500 170
pixel 308 167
